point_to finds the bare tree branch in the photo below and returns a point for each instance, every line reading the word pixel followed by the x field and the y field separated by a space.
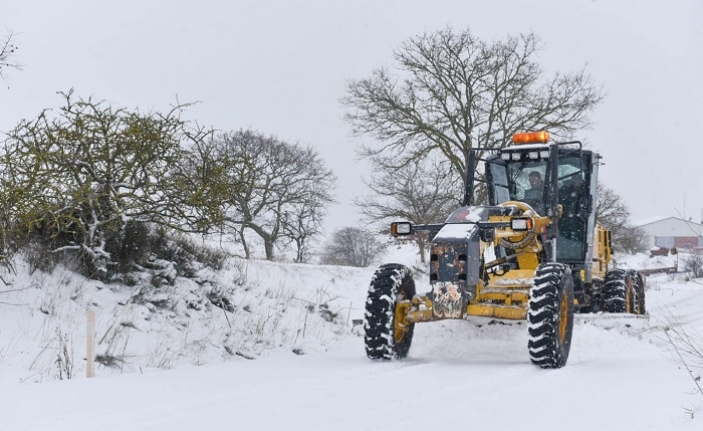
pixel 613 214
pixel 8 48
pixel 421 192
pixel 454 92
pixel 351 246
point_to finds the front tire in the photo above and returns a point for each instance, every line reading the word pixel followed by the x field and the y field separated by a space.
pixel 387 334
pixel 550 315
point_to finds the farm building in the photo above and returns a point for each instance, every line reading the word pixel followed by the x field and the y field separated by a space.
pixel 672 232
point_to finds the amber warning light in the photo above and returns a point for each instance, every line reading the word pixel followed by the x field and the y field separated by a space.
pixel 531 138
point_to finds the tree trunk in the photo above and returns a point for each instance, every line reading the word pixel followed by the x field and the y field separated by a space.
pixel 300 244
pixel 269 239
pixel 244 244
pixel 268 246
pixel 421 244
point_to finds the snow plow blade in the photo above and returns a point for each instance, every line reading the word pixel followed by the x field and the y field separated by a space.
pixel 611 316
pixel 623 322
pixel 667 270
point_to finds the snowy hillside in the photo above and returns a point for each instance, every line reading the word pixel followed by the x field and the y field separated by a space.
pixel 243 312
pixel 309 369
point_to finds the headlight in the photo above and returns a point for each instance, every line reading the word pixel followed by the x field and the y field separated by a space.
pixel 521 224
pixel 401 228
pixel 516 156
pixel 544 154
pixel 534 155
pixel 505 156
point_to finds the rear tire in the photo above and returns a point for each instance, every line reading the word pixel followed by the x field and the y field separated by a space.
pixel 638 287
pixel 619 292
pixel 550 315
pixel 384 339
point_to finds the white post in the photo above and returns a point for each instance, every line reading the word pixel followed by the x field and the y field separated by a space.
pixel 90 344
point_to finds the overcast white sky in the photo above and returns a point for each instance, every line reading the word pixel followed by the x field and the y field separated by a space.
pixel 280 67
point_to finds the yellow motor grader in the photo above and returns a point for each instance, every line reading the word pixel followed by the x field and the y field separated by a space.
pixel 534 252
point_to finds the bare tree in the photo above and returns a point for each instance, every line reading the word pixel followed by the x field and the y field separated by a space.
pixel 613 214
pixel 302 225
pixel 277 190
pixel 611 210
pixel 420 192
pixel 455 92
pixel 351 246
pixel 7 50
pixel 632 240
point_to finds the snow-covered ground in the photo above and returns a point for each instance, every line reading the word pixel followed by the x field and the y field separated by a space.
pixel 288 357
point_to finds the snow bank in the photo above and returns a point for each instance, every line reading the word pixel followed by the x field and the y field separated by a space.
pixel 242 312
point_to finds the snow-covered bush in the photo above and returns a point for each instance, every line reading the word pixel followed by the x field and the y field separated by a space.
pixel 694 265
pixel 78 180
pixel 141 249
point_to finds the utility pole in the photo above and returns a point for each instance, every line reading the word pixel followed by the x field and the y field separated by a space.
pixel 684 204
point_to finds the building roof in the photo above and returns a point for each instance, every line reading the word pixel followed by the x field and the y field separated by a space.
pixel 671 227
pixel 651 220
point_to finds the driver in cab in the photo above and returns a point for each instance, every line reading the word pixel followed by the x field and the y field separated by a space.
pixel 533 195
pixel 536 187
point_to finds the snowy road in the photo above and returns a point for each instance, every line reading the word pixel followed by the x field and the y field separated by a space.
pixel 459 375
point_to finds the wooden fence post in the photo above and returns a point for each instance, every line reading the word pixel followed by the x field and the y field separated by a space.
pixel 90 344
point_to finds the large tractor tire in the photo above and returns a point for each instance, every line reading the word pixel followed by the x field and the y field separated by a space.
pixel 550 315
pixel 638 282
pixel 388 334
pixel 619 292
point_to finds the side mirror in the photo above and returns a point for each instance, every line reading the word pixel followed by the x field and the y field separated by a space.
pixel 401 228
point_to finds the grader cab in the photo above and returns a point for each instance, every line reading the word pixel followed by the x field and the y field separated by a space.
pixel 535 252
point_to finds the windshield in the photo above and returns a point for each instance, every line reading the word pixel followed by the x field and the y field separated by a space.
pixel 519 181
pixel 527 179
